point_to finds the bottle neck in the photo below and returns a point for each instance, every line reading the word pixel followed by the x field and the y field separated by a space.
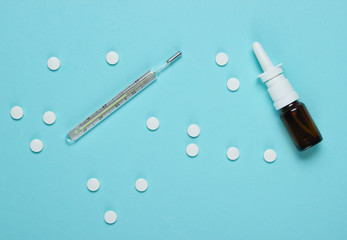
pixel 290 106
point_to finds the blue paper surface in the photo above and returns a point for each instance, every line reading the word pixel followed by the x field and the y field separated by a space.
pixel 44 195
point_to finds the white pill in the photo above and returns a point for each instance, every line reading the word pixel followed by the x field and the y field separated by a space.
pixel 49 117
pixel 193 130
pixel 233 153
pixel 222 59
pixel 152 123
pixel 93 184
pixel 36 145
pixel 17 112
pixel 110 217
pixel 192 150
pixel 270 155
pixel 53 63
pixel 141 185
pixel 112 58
pixel 233 84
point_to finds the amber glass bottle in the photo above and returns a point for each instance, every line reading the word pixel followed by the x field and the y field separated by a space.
pixel 300 125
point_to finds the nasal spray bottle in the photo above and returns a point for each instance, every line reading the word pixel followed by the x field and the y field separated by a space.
pixel 294 114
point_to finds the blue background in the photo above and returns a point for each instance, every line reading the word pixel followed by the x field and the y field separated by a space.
pixel 44 196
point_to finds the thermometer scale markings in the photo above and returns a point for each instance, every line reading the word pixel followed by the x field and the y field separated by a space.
pixel 132 91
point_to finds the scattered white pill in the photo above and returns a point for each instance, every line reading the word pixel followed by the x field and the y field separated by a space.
pixel 110 217
pixel 36 145
pixel 192 150
pixel 152 123
pixel 270 155
pixel 141 185
pixel 193 130
pixel 112 58
pixel 233 84
pixel 93 184
pixel 49 117
pixel 233 153
pixel 17 112
pixel 53 63
pixel 222 59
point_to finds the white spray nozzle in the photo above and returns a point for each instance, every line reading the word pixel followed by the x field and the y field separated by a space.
pixel 270 71
pixel 279 88
pixel 262 57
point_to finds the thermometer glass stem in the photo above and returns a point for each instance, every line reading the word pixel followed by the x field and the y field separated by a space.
pixel 115 103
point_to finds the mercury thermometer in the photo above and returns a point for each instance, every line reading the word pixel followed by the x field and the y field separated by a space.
pixel 119 100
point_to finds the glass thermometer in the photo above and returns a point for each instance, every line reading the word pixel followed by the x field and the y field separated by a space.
pixel 119 100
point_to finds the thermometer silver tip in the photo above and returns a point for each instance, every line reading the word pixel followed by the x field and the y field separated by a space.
pixel 168 62
pixel 174 57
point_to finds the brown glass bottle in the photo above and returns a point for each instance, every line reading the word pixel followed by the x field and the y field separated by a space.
pixel 300 125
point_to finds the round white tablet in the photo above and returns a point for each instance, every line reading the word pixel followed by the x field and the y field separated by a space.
pixel 36 145
pixel 112 58
pixel 152 123
pixel 17 112
pixel 222 59
pixel 141 185
pixel 93 184
pixel 49 117
pixel 270 155
pixel 193 130
pixel 110 217
pixel 233 153
pixel 192 150
pixel 53 63
pixel 233 84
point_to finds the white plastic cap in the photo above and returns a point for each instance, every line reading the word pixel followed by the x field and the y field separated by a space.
pixel 279 88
